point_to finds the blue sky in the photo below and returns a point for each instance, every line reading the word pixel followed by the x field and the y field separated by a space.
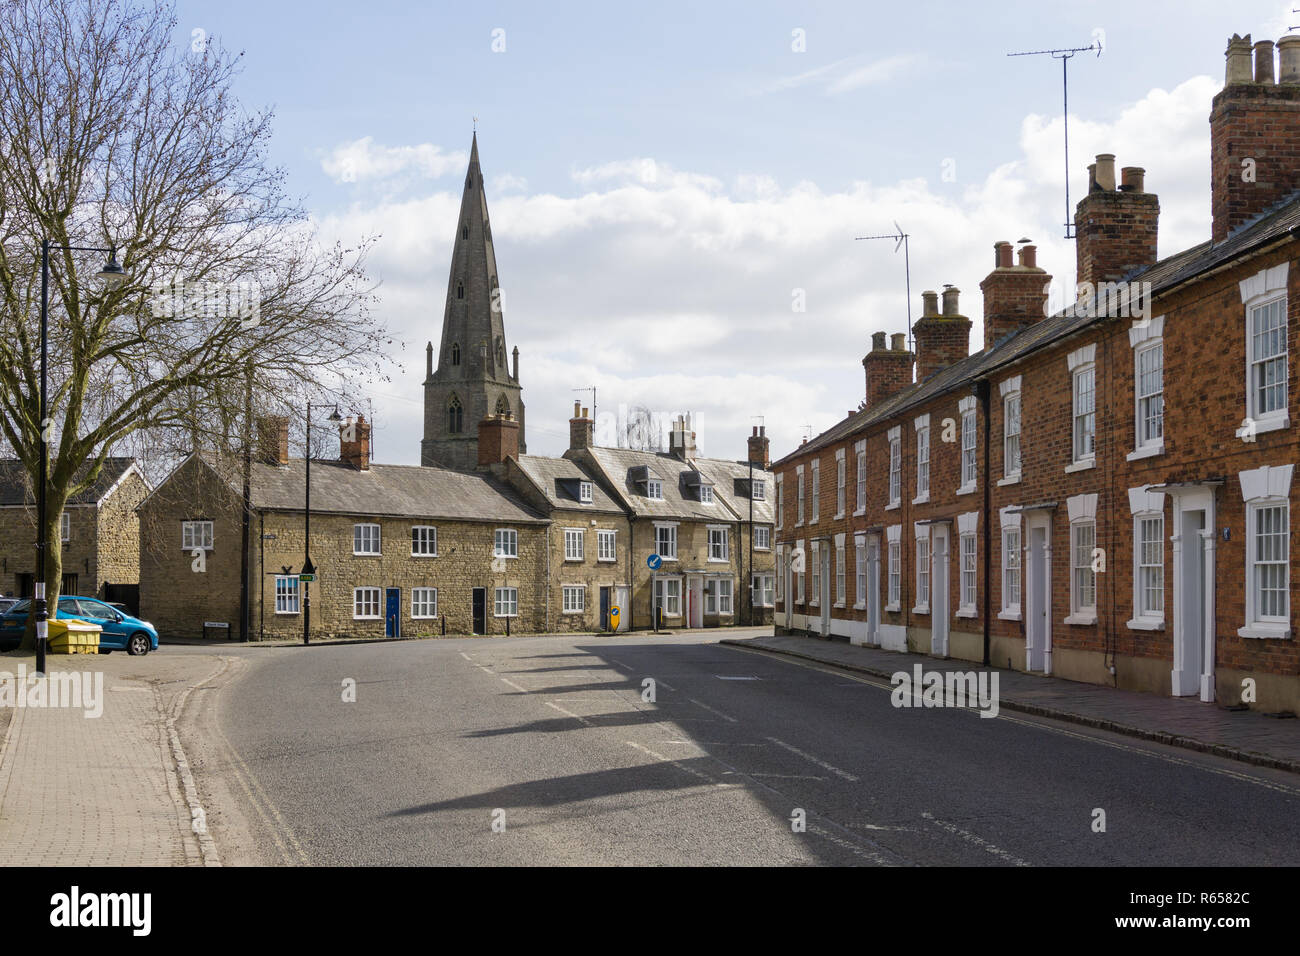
pixel 662 178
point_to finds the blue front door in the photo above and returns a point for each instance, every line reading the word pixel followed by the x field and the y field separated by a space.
pixel 393 613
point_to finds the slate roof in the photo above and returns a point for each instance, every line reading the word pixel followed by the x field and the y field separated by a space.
pixel 558 479
pixel 389 490
pixel 1279 221
pixel 15 490
pixel 679 500
pixel 725 474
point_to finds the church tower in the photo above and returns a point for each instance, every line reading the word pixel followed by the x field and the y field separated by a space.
pixel 472 379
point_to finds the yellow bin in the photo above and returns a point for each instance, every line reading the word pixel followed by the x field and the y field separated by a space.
pixel 74 636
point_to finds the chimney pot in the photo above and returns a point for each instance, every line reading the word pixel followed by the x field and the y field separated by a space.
pixel 1264 62
pixel 1028 256
pixel 1238 57
pixel 1106 172
pixel 899 343
pixel 950 293
pixel 877 341
pixel 1133 179
pixel 1288 60
pixel 1002 254
pixel 929 303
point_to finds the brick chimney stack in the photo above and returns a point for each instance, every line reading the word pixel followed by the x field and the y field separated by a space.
pixel 1254 132
pixel 273 440
pixel 941 338
pixel 498 439
pixel 354 443
pixel 759 452
pixel 681 440
pixel 1015 296
pixel 888 370
pixel 1115 228
pixel 582 430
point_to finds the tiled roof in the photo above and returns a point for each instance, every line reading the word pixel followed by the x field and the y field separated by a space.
pixel 15 487
pixel 393 490
pixel 1281 220
pixel 679 499
pixel 558 479
pixel 725 474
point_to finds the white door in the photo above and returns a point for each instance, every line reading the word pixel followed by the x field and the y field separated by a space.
pixel 873 590
pixel 695 602
pixel 787 592
pixel 1189 604
pixel 623 602
pixel 1037 605
pixel 939 590
pixel 825 596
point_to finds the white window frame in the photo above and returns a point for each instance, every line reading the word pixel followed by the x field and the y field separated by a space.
pixel 205 537
pixel 1012 439
pixel 505 543
pixel 654 488
pixel 505 597
pixel 841 476
pixel 1266 487
pixel 427 536
pixel 860 476
pixel 575 544
pixel 706 494
pixel 65 527
pixel 1082 510
pixel 585 492
pixel 726 595
pixel 922 426
pixel 573 599
pixel 799 576
pixel 287 599
pixel 921 550
pixel 894 554
pixel 1083 365
pixel 969 454
pixel 669 599
pixel 719 549
pixel 1012 567
pixel 762 538
pixel 815 491
pixel 424 604
pixel 758 489
pixel 361 601
pixel 1145 337
pixel 780 501
pixel 895 436
pixel 1258 292
pixel 968 572
pixel 840 572
pixel 366 533
pixel 670 538
pixel 762 589
pixel 799 489
pixel 780 572
pixel 606 545
pixel 815 575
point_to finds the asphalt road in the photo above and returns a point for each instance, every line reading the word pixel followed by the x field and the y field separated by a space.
pixel 545 751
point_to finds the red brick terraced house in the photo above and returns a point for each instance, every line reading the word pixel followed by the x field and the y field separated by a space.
pixel 1103 494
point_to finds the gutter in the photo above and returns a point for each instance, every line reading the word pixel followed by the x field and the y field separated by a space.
pixel 983 390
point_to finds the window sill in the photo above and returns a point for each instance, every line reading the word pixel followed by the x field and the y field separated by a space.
pixel 860 512
pixel 367 554
pixel 1275 632
pixel 757 548
pixel 424 617
pixel 1148 452
pixel 286 613
pixel 1008 615
pixel 967 612
pixel 1081 466
pixel 893 608
pixel 1262 425
pixel 719 561
pixel 500 617
pixel 921 609
pixel 415 555
pixel 859 607
pixel 966 490
pixel 838 516
pixel 838 604
pixel 893 506
pixel 1146 624
pixel 1009 480
pixel 921 499
pixel 607 560
pixel 1082 619
pixel 375 618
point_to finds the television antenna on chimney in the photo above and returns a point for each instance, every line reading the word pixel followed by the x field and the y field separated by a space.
pixel 592 389
pixel 1064 54
pixel 900 239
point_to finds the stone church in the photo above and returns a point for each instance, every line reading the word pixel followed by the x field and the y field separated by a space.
pixel 472 379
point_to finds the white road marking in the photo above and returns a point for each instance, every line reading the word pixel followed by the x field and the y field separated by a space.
pixel 467 657
pixel 810 758
pixel 785 776
pixel 664 683
pixel 713 711
pixel 978 841
pixel 568 713
pixel 507 680
pixel 679 765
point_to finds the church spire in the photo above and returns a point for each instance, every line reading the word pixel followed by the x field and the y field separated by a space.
pixel 473 377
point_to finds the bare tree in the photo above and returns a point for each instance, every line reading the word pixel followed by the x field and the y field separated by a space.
pixel 110 135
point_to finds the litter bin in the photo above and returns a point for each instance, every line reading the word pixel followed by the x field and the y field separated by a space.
pixel 73 636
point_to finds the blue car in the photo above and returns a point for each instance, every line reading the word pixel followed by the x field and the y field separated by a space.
pixel 121 631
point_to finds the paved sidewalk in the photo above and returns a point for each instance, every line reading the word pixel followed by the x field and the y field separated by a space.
pixel 108 790
pixel 1248 736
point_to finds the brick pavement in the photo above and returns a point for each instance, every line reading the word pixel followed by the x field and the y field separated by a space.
pixel 78 791
pixel 1248 736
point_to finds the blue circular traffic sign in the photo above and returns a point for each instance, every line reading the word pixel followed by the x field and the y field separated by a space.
pixel 653 562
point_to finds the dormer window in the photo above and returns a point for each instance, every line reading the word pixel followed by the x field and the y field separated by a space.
pixel 706 494
pixel 584 492
pixel 758 491
pixel 654 488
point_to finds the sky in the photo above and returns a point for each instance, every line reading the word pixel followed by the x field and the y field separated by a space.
pixel 675 188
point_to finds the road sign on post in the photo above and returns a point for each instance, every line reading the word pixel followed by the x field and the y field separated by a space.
pixel 653 562
pixel 613 618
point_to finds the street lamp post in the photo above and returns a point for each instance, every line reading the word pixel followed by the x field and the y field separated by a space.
pixel 113 276
pixel 307 567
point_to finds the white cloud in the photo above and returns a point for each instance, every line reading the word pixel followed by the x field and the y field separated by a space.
pixel 362 159
pixel 673 289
